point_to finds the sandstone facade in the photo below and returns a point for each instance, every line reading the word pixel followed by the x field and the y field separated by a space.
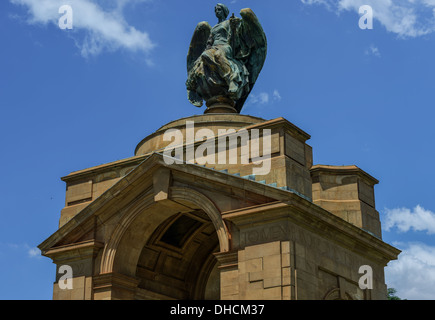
pixel 140 228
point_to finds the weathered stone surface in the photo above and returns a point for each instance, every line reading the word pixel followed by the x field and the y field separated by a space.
pixel 140 228
pixel 348 192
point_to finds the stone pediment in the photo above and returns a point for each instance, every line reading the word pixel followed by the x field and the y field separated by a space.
pixel 154 176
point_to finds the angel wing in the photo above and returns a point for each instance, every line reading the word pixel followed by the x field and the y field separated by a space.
pixel 252 49
pixel 197 46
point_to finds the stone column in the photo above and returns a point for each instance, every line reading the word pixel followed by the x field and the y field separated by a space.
pixel 229 273
pixel 77 262
pixel 114 286
pixel 259 272
pixel 265 272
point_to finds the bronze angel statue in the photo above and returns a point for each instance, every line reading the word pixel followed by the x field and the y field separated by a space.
pixel 224 62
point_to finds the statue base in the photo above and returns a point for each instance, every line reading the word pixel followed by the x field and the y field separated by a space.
pixel 220 105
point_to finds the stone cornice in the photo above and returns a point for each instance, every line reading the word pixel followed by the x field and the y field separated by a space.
pixel 80 250
pixel 136 160
pixel 282 122
pixel 318 220
pixel 112 279
pixel 339 170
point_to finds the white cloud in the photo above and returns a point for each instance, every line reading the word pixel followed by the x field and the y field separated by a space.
pixel 405 18
pixel 405 219
pixel 34 253
pixel 373 51
pixel 261 98
pixel 413 274
pixel 276 95
pixel 105 29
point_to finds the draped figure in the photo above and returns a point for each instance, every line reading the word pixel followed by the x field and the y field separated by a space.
pixel 224 62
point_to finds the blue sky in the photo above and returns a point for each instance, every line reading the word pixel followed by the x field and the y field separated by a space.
pixel 73 99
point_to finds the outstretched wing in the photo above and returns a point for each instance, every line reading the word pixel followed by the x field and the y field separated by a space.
pixel 252 49
pixel 197 46
pixel 198 43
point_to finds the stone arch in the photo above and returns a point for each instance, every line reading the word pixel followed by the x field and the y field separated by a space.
pixel 199 199
pixel 334 294
pixel 142 217
pixel 129 214
pixel 177 260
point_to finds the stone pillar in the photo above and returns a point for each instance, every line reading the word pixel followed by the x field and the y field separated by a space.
pixel 265 272
pixel 348 192
pixel 259 272
pixel 114 286
pixel 81 288
pixel 229 275
pixel 78 261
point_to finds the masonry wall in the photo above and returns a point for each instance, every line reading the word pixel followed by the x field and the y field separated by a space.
pixel 301 265
pixel 271 257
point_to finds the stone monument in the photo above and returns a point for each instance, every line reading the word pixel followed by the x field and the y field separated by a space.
pixel 166 225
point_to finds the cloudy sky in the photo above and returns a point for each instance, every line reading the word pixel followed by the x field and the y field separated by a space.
pixel 72 99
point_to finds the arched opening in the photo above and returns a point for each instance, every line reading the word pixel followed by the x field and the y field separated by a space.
pixel 334 294
pixel 167 247
pixel 177 262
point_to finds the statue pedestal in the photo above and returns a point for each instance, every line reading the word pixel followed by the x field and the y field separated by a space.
pixel 220 108
pixel 220 105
